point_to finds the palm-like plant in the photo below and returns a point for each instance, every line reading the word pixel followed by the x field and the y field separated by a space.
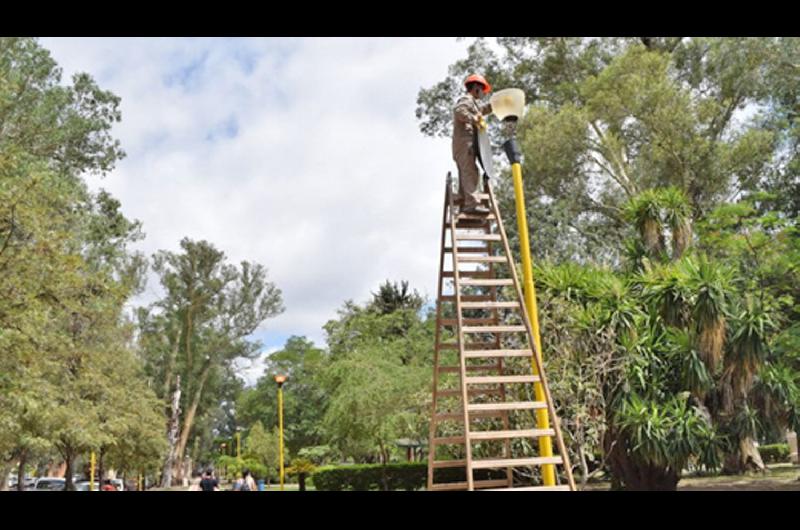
pixel 711 285
pixel 677 216
pixel 776 393
pixel 748 347
pixel 665 435
pixel 693 371
pixel 644 211
pixel 568 281
pixel 665 289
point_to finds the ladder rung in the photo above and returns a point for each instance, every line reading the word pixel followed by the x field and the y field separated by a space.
pixel 478 484
pixel 534 488
pixel 479 196
pixel 478 354
pixel 514 462
pixel 489 305
pixel 482 259
pixel 467 250
pixel 502 379
pixel 471 224
pixel 494 329
pixel 495 282
pixel 449 440
pixel 448 346
pixel 466 298
pixel 503 435
pixel 512 405
pixel 469 274
pixel 474 217
pixel 449 463
pixel 459 416
pixel 466 321
pixel 474 392
pixel 477 237
pixel 475 368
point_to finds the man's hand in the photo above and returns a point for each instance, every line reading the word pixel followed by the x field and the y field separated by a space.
pixel 481 123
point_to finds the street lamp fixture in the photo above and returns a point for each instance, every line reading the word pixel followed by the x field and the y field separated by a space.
pixel 509 105
pixel 280 379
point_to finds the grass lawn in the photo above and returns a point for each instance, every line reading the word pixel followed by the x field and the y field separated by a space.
pixel 778 477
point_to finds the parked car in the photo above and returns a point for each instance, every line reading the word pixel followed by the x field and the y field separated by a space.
pixel 83 485
pixel 50 484
pixel 118 483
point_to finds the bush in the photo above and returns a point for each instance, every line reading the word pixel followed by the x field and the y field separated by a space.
pixel 774 453
pixel 235 466
pixel 406 476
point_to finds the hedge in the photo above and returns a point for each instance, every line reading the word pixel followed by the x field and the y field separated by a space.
pixel 774 453
pixel 405 476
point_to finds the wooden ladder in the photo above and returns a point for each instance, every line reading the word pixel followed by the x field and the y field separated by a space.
pixel 491 374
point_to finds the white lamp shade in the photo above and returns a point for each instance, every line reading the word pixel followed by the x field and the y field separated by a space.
pixel 508 102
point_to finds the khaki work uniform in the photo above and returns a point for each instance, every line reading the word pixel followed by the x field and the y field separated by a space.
pixel 465 148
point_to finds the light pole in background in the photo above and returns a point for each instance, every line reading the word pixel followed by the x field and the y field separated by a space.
pixel 280 379
pixel 508 105
pixel 91 471
pixel 238 443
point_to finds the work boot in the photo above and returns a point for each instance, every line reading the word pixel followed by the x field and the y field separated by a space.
pixel 476 210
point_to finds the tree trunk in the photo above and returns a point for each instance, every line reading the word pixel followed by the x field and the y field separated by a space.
pixel 5 469
pixel 171 366
pixel 301 479
pixel 584 466
pixel 744 457
pixel 188 421
pixel 23 458
pixel 100 470
pixel 172 435
pixel 68 456
pixel 631 475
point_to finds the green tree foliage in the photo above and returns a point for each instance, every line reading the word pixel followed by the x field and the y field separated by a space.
pixel 304 398
pixel 201 326
pixel 70 382
pixel 377 379
pixel 263 447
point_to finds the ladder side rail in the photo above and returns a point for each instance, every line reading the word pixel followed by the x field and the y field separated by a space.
pixel 462 359
pixel 433 424
pixel 537 353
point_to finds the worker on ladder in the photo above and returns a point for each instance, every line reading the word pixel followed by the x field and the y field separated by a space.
pixel 467 118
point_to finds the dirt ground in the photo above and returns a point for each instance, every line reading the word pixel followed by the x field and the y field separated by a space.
pixel 778 477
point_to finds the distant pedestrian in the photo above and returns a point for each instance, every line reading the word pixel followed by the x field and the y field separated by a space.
pixel 208 482
pixel 246 483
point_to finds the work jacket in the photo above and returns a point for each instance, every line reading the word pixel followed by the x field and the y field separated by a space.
pixel 466 113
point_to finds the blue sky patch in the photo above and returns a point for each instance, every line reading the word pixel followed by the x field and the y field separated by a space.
pixel 188 76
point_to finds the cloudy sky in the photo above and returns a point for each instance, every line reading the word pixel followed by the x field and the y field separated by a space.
pixel 302 154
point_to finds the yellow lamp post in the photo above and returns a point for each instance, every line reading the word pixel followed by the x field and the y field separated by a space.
pixel 238 445
pixel 91 471
pixel 508 106
pixel 280 379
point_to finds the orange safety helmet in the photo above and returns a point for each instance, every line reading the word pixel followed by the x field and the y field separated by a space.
pixel 477 78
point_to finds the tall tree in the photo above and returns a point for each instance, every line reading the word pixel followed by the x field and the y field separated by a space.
pixel 65 266
pixel 304 397
pixel 204 319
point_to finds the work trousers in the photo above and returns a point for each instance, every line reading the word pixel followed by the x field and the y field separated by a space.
pixel 469 178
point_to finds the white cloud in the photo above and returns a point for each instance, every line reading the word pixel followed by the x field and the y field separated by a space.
pixel 327 180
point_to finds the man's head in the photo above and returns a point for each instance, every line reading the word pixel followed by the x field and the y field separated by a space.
pixel 477 86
